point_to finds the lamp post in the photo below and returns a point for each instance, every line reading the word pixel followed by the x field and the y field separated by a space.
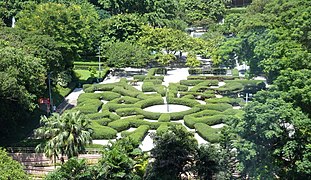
pixel 99 61
pixel 50 93
pixel 167 106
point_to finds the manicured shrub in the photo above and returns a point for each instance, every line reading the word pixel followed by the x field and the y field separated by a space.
pixel 149 102
pixel 139 134
pixel 108 95
pixel 147 86
pixel 89 106
pixel 105 87
pixel 103 114
pixel 194 71
pixel 125 100
pixel 119 125
pixel 160 89
pixel 126 92
pixel 232 101
pixel 164 117
pixel 190 121
pixel 154 80
pixel 180 115
pixel 229 88
pixel 126 112
pixel 103 121
pixel 162 128
pixel 183 101
pixel 139 77
pixel 219 78
pixel 149 115
pixel 188 96
pixel 190 82
pixel 88 96
pixel 113 106
pixel 217 107
pixel 102 132
pixel 147 96
pixel 208 133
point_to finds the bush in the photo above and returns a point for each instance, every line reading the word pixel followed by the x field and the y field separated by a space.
pixel 154 80
pixel 190 82
pixel 147 86
pixel 103 121
pixel 180 115
pixel 164 117
pixel 232 101
pixel 149 102
pixel 194 71
pixel 190 121
pixel 126 111
pixel 152 72
pixel 183 101
pixel 89 106
pixel 108 95
pixel 229 88
pixel 88 96
pixel 105 87
pixel 139 77
pixel 139 134
pixel 219 78
pixel 147 96
pixel 162 70
pixel 125 100
pixel 126 92
pixel 102 132
pixel 162 129
pixel 217 107
pixel 119 125
pixel 160 89
pixel 114 106
pixel 149 115
pixel 208 133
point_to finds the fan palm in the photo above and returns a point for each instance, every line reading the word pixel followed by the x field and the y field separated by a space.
pixel 66 134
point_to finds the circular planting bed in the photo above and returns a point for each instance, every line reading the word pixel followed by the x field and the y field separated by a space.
pixel 167 108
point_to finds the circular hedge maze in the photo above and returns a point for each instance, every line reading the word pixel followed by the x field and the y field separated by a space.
pixel 117 107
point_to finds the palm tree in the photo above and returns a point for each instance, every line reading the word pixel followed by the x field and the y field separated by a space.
pixel 66 134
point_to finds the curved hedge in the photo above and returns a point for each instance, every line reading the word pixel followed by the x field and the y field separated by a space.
pixel 190 121
pixel 183 101
pixel 164 118
pixel 208 133
pixel 149 102
pixel 139 134
pixel 102 132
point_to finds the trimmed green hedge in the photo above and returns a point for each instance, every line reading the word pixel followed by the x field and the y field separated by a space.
pixel 125 100
pixel 147 87
pixel 217 107
pixel 180 115
pixel 103 114
pixel 103 121
pixel 108 95
pixel 208 133
pixel 152 72
pixel 164 118
pixel 119 125
pixel 148 115
pixel 219 78
pixel 126 92
pixel 89 106
pixel 149 102
pixel 147 96
pixel 102 132
pixel 190 121
pixel 139 134
pixel 126 111
pixel 183 101
pixel 139 77
pixel 114 106
pixel 162 128
pixel 232 101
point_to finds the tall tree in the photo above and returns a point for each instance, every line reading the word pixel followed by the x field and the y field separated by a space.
pixel 173 154
pixel 274 139
pixel 66 134
pixel 74 27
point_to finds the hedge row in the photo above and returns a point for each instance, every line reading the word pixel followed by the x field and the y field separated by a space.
pixel 88 88
pixel 143 96
pixel 149 102
pixel 232 101
pixel 198 95
pixel 125 92
pixel 103 121
pixel 102 132
pixel 147 87
pixel 89 106
pixel 216 71
pixel 217 107
pixel 139 77
pixel 208 133
pixel 139 134
pixel 230 87
pixel 190 121
pixel 219 78
pixel 103 114
pixel 125 100
pixel 114 106
pixel 164 118
pixel 162 128
pixel 183 101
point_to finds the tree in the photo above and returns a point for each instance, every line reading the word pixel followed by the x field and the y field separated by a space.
pixel 173 154
pixel 274 139
pixel 192 60
pixel 122 160
pixel 126 54
pixel 73 169
pixel 66 134
pixel 9 168
pixel 73 26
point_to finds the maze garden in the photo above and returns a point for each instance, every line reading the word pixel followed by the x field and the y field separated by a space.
pixel 117 107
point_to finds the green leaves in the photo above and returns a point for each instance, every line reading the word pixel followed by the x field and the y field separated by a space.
pixel 67 134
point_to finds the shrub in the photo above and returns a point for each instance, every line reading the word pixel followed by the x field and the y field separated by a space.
pixel 190 82
pixel 139 77
pixel 232 87
pixel 148 115
pixel 208 133
pixel 154 80
pixel 194 71
pixel 183 101
pixel 149 102
pixel 147 86
pixel 162 70
pixel 119 125
pixel 88 96
pixel 113 106
pixel 125 100
pixel 190 121
pixel 152 72
pixel 139 134
pixel 126 111
pixel 219 78
pixel 126 92
pixel 89 106
pixel 102 132
pixel 164 117
pixel 232 101
pixel 180 115
pixel 162 128
pixel 108 95
pixel 147 96
pixel 160 89
pixel 217 107
pixel 103 121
